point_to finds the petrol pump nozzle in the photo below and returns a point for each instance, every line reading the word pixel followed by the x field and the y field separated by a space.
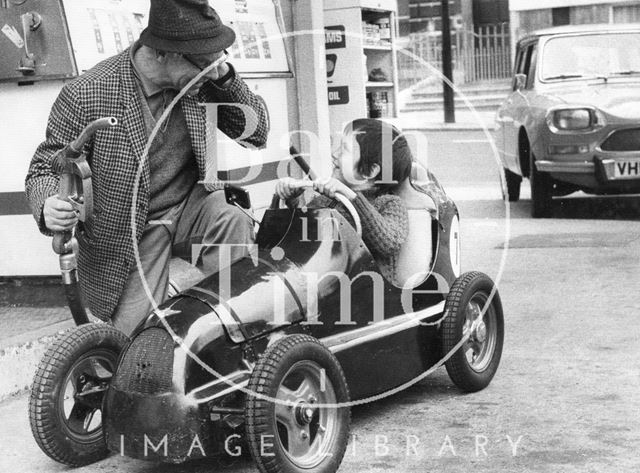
pixel 75 181
pixel 74 149
pixel 75 187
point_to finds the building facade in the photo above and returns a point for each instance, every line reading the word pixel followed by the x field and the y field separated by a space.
pixel 419 16
pixel 480 38
pixel 527 16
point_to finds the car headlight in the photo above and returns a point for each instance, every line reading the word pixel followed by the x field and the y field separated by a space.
pixel 575 119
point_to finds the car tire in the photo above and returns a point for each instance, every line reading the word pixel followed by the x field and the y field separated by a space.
pixel 473 362
pixel 514 182
pixel 66 428
pixel 299 372
pixel 541 191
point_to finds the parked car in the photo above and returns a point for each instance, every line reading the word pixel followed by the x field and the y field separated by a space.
pixel 258 363
pixel 572 121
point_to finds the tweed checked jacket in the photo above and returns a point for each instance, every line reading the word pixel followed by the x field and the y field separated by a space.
pixel 115 156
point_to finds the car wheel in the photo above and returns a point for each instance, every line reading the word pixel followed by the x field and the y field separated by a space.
pixel 541 191
pixel 472 314
pixel 65 403
pixel 305 428
pixel 513 185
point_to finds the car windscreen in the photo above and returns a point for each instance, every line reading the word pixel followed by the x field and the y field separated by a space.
pixel 591 55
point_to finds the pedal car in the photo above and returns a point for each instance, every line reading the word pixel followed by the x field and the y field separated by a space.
pixel 271 353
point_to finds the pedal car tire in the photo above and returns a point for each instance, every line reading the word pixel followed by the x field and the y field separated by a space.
pixel 299 372
pixel 476 361
pixel 65 426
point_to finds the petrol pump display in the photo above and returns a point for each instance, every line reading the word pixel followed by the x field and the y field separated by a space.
pixel 259 54
pixel 259 45
pixel 102 28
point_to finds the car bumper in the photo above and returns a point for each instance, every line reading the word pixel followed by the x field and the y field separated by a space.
pixel 591 161
pixel 560 167
pixel 600 174
pixel 609 169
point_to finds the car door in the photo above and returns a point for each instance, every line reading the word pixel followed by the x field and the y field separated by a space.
pixel 512 113
pixel 504 116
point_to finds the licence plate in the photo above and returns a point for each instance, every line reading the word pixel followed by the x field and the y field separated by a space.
pixel 626 168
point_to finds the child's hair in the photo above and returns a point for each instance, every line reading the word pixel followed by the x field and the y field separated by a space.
pixel 375 138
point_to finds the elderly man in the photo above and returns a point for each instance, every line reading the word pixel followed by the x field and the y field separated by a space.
pixel 183 37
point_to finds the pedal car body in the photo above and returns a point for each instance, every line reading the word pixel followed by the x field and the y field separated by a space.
pixel 274 349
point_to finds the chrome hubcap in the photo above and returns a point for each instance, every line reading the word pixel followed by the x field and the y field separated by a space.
pixel 481 332
pixel 304 413
pixel 481 329
pixel 306 431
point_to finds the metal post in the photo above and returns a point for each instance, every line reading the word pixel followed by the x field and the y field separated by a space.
pixel 449 106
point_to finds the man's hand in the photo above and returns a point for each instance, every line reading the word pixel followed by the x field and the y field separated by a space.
pixel 205 61
pixel 59 215
pixel 331 186
pixel 220 71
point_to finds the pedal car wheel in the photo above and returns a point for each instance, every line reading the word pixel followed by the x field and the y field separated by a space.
pixel 470 314
pixel 304 430
pixel 65 405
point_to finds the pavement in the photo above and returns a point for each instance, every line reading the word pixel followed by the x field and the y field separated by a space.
pixel 33 311
pixel 27 325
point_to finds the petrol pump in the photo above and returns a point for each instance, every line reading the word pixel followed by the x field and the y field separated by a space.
pixel 44 44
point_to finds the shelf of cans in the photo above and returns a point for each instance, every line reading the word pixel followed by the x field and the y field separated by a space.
pixel 378 104
pixel 377 33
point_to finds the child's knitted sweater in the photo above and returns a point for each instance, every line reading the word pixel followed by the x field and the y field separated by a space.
pixel 385 226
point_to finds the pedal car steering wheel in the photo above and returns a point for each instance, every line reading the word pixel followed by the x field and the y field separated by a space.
pixel 297 157
pixel 352 210
pixel 275 203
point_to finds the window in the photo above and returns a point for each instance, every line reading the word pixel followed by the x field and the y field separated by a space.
pixel 527 59
pixel 589 14
pixel 518 63
pixel 517 66
pixel 531 20
pixel 531 66
pixel 591 55
pixel 560 16
pixel 626 14
pixel 525 64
